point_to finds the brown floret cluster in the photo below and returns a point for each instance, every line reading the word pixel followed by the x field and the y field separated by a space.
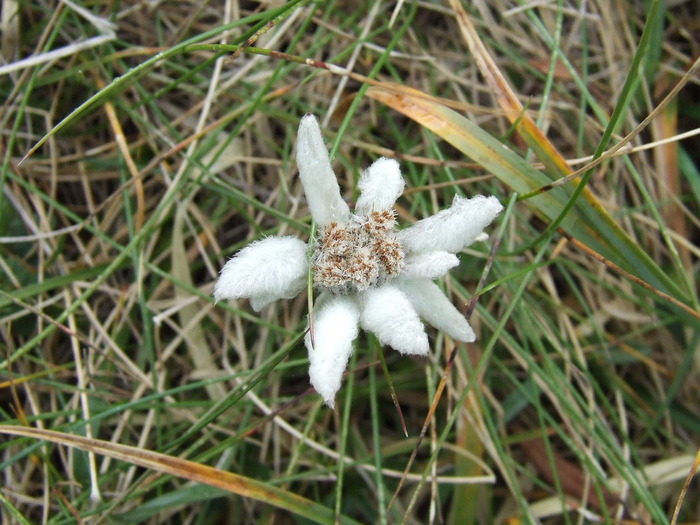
pixel 361 254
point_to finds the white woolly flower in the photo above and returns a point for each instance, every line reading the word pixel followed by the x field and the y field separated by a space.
pixel 369 274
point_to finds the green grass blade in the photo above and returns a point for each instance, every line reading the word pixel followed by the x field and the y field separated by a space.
pixel 588 223
pixel 120 83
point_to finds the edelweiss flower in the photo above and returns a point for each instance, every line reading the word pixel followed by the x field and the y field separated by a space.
pixel 369 274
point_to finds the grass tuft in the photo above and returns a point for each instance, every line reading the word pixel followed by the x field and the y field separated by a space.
pixel 144 144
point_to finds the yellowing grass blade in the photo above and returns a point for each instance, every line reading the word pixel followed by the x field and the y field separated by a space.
pixel 186 469
pixel 587 221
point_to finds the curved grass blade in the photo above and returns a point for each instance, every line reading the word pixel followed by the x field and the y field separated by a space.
pixel 586 219
pixel 555 164
pixel 183 468
pixel 120 83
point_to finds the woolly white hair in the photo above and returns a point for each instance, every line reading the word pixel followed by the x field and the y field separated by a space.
pixel 317 177
pixel 452 229
pixel 335 328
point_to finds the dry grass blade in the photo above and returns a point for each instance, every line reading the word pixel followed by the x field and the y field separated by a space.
pixel 662 472
pixel 11 17
pixel 128 159
pixel 190 315
pixel 573 478
pixel 666 297
pixel 426 424
pixel 691 474
pixel 162 140
pixel 392 391
pixel 587 221
pixel 186 469
pixel 506 97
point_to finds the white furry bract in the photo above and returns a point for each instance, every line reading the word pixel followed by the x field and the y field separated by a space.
pixel 453 229
pixel 258 302
pixel 317 177
pixel 430 265
pixel 433 306
pixel 330 344
pixel 381 184
pixel 387 312
pixel 369 275
pixel 270 269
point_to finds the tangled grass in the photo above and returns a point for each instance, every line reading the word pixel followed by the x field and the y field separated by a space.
pixel 161 137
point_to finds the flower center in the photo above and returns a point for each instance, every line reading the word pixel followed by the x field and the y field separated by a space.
pixel 361 254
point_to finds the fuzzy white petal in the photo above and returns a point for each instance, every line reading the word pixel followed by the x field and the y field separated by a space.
pixel 430 265
pixel 258 302
pixel 452 229
pixel 387 312
pixel 273 268
pixel 317 177
pixel 334 330
pixel 380 186
pixel 433 306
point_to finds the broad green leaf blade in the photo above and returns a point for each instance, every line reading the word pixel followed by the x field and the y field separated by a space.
pixel 587 220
